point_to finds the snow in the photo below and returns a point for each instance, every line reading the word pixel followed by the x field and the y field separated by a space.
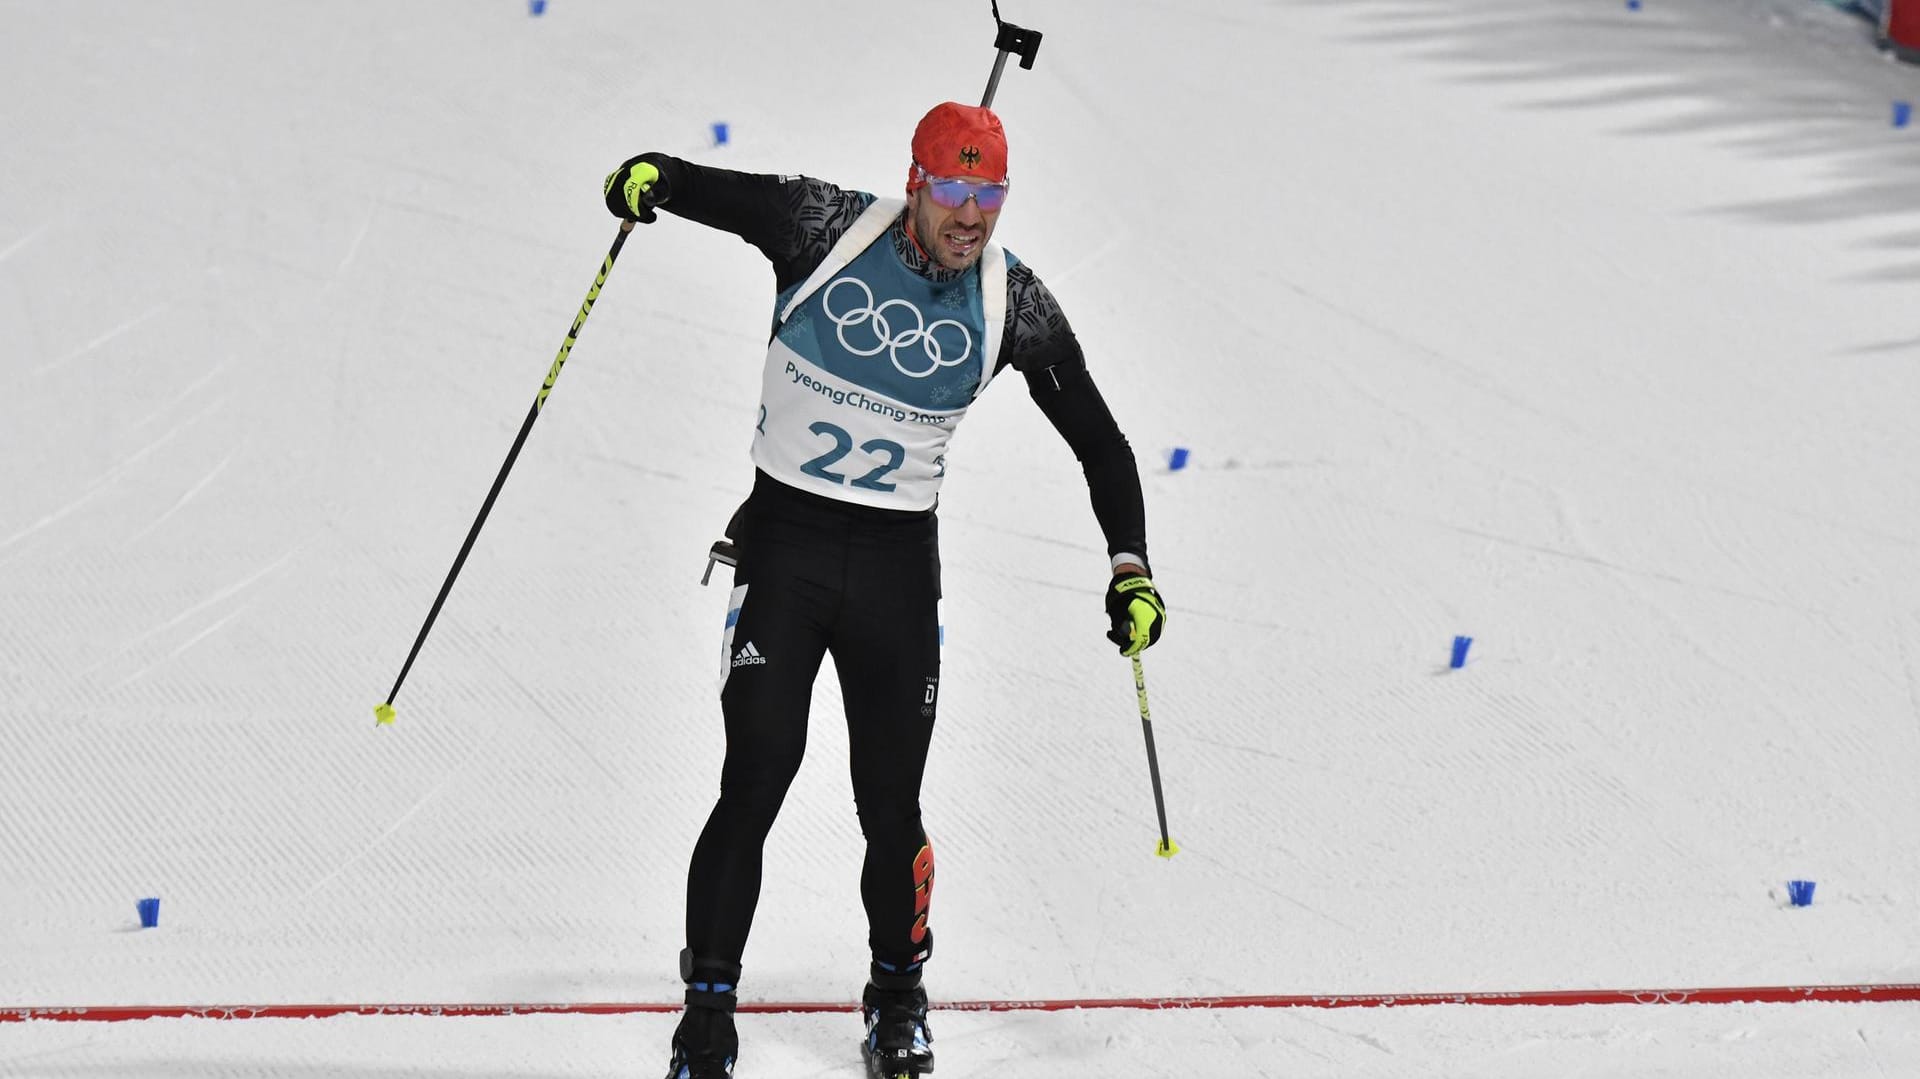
pixel 1584 332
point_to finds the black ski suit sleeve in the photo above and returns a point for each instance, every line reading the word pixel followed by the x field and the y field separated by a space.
pixel 1042 347
pixel 793 220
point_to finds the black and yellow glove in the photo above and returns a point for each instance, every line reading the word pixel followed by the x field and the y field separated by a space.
pixel 635 188
pixel 1136 611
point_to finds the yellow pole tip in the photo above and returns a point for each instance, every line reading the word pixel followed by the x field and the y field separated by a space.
pixel 383 715
pixel 1166 849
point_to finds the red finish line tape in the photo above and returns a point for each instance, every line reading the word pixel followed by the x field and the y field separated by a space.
pixel 1850 994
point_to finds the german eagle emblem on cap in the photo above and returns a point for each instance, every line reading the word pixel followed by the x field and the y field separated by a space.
pixel 970 156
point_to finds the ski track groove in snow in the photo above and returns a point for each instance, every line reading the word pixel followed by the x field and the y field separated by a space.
pixel 101 340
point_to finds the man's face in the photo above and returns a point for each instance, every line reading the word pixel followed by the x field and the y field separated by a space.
pixel 955 237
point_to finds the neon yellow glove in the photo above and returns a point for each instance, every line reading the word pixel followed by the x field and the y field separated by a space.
pixel 635 188
pixel 1137 613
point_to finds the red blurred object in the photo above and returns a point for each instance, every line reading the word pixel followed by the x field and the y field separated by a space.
pixel 1900 25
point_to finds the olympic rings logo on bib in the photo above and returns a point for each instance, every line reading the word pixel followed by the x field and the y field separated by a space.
pixel 921 334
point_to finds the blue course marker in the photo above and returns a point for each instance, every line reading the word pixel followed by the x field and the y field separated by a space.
pixel 1460 646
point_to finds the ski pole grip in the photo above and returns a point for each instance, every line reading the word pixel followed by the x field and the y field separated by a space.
pixel 1018 39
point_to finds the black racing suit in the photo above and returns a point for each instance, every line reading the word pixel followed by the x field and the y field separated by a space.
pixel 861 583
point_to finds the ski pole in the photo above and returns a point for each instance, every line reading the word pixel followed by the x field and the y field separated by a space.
pixel 1167 847
pixel 383 712
pixel 1009 38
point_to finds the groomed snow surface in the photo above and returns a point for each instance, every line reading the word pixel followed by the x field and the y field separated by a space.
pixel 1588 333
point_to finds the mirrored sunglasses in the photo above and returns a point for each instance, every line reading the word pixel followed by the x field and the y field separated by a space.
pixel 954 193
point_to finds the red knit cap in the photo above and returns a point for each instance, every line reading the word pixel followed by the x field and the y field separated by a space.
pixel 959 140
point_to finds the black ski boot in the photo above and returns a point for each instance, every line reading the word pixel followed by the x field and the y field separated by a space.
pixel 705 1045
pixel 898 1044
